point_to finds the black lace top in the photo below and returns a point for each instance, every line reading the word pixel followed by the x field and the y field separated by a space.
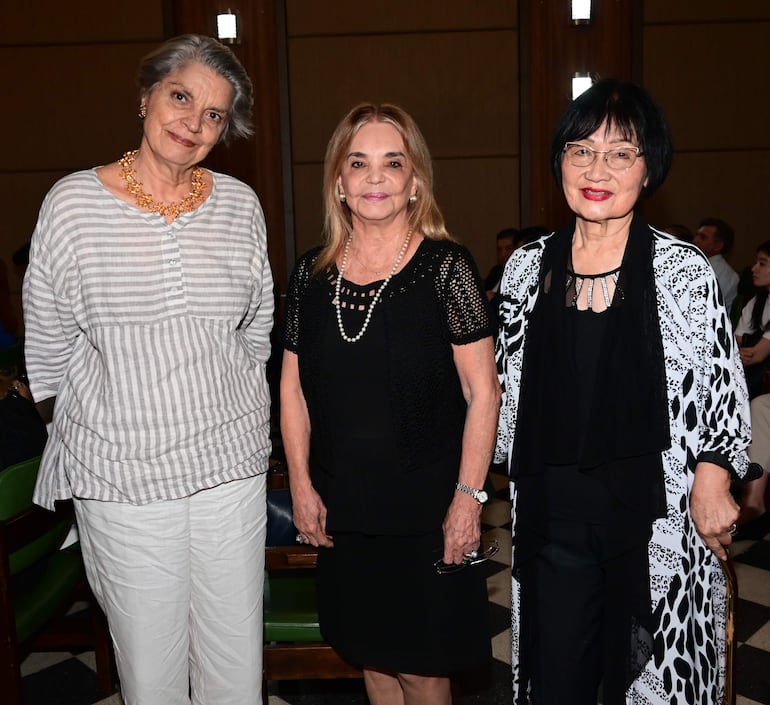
pixel 387 412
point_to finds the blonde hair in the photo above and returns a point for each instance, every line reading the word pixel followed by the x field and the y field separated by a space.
pixel 423 214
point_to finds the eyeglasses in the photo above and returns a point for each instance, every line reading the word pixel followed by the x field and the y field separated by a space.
pixel 473 558
pixel 618 158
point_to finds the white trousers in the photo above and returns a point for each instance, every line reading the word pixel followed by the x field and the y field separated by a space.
pixel 181 584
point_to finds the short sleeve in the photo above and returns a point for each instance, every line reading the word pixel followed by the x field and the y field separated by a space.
pixel 465 301
pixel 744 324
pixel 298 282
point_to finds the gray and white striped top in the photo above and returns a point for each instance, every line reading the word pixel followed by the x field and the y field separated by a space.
pixel 154 339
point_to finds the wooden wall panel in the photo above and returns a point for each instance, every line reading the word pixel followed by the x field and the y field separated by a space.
pixel 706 64
pixel 479 197
pixel 70 98
pixel 85 102
pixel 732 185
pixel 676 11
pixel 462 107
pixel 461 88
pixel 37 22
pixel 308 211
pixel 310 17
pixel 709 79
pixel 552 50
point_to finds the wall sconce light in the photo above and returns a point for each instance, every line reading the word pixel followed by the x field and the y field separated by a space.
pixel 581 82
pixel 227 27
pixel 581 11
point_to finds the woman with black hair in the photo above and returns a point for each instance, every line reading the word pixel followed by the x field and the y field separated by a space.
pixel 624 419
pixel 753 329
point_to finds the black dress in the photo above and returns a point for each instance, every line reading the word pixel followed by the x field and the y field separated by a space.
pixel 381 602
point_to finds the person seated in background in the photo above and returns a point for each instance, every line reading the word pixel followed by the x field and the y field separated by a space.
pixel 507 241
pixel 715 238
pixel 492 282
pixel 8 319
pixel 679 231
pixel 22 430
pixel 532 233
pixel 752 331
pixel 754 521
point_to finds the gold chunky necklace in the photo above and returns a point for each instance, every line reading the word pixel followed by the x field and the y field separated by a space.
pixel 145 200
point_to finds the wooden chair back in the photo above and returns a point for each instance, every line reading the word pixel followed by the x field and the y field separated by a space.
pixel 294 648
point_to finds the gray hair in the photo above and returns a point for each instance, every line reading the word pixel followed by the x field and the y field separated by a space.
pixel 179 52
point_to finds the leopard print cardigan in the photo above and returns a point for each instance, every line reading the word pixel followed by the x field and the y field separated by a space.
pixel 709 415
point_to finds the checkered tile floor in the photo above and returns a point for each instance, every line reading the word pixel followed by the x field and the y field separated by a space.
pixel 67 679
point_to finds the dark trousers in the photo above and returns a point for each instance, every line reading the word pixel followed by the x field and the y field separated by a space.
pixel 567 604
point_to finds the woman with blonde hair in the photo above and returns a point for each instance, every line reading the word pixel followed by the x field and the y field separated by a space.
pixel 388 412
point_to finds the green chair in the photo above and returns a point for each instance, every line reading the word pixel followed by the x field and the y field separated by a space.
pixel 294 648
pixel 39 582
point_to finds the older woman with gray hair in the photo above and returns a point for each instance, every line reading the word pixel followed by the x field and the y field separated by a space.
pixel 148 306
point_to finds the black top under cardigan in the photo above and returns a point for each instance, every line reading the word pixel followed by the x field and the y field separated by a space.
pixel 615 438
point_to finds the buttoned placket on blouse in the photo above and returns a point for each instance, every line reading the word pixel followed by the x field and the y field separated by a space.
pixel 102 277
pixel 171 256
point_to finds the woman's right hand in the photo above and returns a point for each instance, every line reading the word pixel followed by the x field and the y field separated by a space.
pixel 310 517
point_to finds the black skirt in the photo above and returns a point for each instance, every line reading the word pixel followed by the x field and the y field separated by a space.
pixel 383 606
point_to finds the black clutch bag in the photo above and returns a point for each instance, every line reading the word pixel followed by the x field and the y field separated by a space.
pixel 280 527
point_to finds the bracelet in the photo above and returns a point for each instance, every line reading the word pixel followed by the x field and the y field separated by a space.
pixel 479 495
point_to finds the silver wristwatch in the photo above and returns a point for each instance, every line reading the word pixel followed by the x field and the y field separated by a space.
pixel 479 495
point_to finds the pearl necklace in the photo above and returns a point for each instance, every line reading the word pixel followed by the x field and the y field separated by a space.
pixel 144 200
pixel 338 289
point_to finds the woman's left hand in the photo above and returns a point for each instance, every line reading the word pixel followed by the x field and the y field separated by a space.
pixel 20 388
pixel 712 507
pixel 756 353
pixel 462 528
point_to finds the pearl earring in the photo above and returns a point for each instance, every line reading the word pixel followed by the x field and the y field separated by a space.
pixel 413 198
pixel 143 111
pixel 341 196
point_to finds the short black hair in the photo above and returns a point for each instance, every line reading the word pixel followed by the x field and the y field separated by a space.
pixel 626 107
pixel 722 232
pixel 512 233
pixel 679 231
